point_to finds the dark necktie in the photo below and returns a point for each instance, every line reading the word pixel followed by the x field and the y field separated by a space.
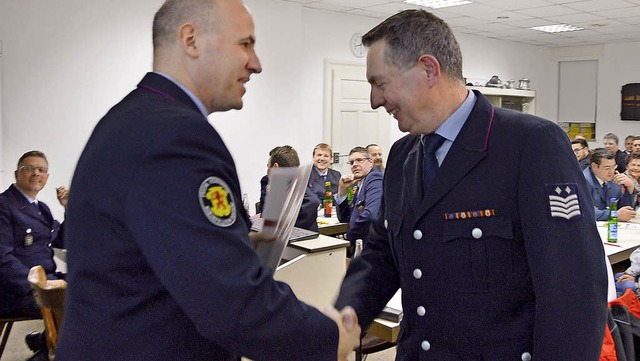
pixel 431 144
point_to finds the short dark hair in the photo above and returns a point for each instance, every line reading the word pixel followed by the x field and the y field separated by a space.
pixel 582 142
pixel 412 33
pixel 636 138
pixel 612 136
pixel 629 137
pixel 599 153
pixel 285 156
pixel 372 145
pixel 359 149
pixel 32 153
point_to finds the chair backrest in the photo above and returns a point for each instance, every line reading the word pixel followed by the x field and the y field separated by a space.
pixel 49 295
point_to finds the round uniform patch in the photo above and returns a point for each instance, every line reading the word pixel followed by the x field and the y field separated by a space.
pixel 216 201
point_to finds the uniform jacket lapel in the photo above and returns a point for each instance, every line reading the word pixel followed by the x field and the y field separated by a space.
pixel 469 148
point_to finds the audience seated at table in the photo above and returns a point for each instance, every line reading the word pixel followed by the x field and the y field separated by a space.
pixel 367 197
pixel 286 156
pixel 605 183
pixel 321 173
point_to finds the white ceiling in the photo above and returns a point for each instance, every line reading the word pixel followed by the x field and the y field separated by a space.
pixel 604 21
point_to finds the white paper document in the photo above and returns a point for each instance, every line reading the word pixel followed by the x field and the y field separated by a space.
pixel 282 204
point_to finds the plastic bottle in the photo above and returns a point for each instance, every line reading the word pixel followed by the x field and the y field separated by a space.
pixel 328 199
pixel 612 223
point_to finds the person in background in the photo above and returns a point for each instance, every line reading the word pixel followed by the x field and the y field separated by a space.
pixel 635 145
pixel 28 232
pixel 627 279
pixel 611 144
pixel 467 226
pixel 321 173
pixel 365 205
pixel 628 144
pixel 633 170
pixel 161 264
pixel 285 156
pixel 605 183
pixel 264 182
pixel 581 150
pixel 376 156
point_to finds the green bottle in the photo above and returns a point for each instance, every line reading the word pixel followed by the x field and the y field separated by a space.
pixel 612 223
pixel 328 199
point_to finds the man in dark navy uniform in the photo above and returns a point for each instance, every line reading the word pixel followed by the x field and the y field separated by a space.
pixel 360 211
pixel 485 216
pixel 27 233
pixel 161 265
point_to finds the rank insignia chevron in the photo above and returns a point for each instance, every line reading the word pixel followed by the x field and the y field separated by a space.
pixel 563 200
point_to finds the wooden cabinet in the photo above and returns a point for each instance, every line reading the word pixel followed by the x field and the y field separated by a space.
pixel 516 99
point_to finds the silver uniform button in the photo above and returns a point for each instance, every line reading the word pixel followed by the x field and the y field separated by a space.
pixel 417 234
pixel 425 345
pixel 476 233
pixel 421 311
pixel 417 273
pixel 526 356
pixel 386 224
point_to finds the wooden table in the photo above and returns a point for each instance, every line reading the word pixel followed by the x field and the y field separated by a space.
pixel 331 226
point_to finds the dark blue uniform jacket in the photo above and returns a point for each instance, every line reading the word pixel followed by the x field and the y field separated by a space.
pixel 160 263
pixel 500 260
pixel 18 220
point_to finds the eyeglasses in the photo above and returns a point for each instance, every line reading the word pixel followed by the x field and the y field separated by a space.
pixel 31 169
pixel 577 150
pixel 357 161
pixel 609 167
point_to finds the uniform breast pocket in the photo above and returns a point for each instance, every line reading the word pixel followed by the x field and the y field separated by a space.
pixel 481 251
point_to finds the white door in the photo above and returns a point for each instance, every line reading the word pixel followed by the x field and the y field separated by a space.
pixel 352 121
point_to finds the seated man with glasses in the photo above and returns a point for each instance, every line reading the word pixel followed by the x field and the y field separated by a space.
pixel 581 150
pixel 27 233
pixel 366 187
pixel 605 182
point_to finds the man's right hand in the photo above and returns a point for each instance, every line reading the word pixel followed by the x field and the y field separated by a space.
pixel 348 328
pixel 626 213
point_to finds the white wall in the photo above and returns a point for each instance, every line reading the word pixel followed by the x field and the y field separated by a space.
pixel 66 62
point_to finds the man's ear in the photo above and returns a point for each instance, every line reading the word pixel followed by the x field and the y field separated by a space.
pixel 189 40
pixel 431 66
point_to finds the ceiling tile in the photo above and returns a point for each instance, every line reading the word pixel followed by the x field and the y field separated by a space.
pixel 604 20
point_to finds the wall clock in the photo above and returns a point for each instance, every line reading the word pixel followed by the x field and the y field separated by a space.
pixel 356 46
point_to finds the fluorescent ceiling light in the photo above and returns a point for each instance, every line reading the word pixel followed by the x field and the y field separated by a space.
pixel 437 4
pixel 559 28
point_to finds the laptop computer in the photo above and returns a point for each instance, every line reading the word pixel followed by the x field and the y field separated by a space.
pixel 298 234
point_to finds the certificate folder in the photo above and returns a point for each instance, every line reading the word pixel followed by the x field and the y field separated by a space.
pixel 282 204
